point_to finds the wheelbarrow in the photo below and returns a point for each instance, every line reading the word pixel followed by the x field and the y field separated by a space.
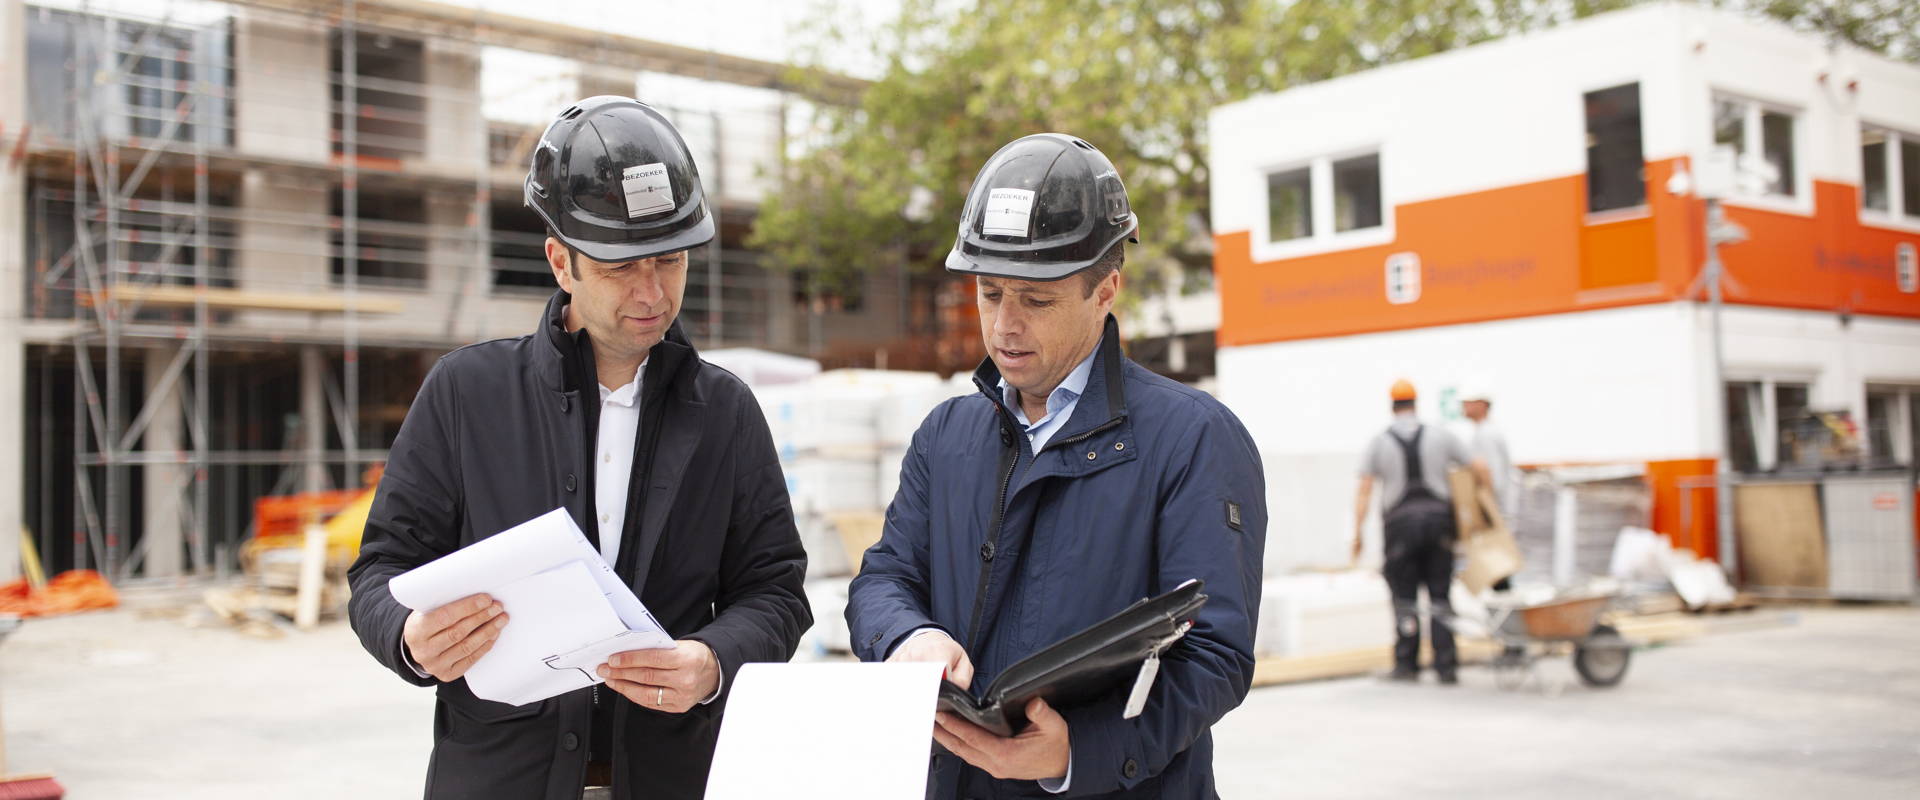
pixel 1528 633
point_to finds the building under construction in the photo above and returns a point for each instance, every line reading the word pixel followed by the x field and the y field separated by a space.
pixel 235 236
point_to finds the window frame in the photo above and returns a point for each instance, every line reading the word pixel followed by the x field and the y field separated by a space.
pixel 1897 216
pixel 1645 207
pixel 1906 419
pixel 1322 238
pixel 1762 408
pixel 1752 140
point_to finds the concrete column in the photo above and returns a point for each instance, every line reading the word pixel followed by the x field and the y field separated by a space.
pixel 313 417
pixel 163 491
pixel 13 226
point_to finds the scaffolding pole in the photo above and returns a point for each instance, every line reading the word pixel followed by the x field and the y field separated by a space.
pixel 127 148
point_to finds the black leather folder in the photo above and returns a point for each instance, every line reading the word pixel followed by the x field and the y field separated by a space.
pixel 1081 667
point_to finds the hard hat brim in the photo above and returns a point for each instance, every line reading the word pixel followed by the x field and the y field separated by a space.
pixel 620 252
pixel 967 259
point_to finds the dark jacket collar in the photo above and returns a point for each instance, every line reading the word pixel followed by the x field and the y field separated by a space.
pixel 1104 401
pixel 565 361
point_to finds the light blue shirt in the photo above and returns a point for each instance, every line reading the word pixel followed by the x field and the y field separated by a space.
pixel 1060 403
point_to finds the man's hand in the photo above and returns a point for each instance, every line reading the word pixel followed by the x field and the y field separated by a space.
pixel 447 640
pixel 1356 546
pixel 940 648
pixel 1042 751
pixel 668 679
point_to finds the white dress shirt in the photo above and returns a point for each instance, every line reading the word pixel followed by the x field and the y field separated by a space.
pixel 613 460
pixel 1060 403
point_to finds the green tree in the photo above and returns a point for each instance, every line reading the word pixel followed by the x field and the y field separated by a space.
pixel 1135 77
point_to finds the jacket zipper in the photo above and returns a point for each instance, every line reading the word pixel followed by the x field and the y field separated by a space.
pixel 1090 433
pixel 986 550
pixel 999 518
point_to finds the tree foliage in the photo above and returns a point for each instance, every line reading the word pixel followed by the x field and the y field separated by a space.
pixel 1135 77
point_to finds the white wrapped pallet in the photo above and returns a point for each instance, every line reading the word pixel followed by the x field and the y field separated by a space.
pixel 814 417
pixel 828 636
pixel 1321 613
pixel 889 473
pixel 783 407
pixel 762 368
pixel 824 484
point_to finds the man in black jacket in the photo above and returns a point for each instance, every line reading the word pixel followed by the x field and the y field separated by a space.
pixel 665 462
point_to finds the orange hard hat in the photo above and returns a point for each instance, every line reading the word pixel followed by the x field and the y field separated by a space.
pixel 1402 390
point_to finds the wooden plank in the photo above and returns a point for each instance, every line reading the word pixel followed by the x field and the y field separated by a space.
pixel 313 564
pixel 1781 537
pixel 858 531
pixel 248 300
pixel 1274 671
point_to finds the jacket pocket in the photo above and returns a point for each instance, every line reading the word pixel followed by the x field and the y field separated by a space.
pixel 461 701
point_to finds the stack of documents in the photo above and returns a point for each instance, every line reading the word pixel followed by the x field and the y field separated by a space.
pixel 566 609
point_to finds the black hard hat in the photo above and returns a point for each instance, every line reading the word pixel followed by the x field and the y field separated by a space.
pixel 1043 208
pixel 613 180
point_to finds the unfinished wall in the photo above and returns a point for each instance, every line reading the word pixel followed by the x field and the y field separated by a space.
pixel 282 242
pixel 283 104
pixel 456 135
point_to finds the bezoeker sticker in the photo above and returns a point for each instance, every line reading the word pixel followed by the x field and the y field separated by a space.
pixel 648 189
pixel 1009 212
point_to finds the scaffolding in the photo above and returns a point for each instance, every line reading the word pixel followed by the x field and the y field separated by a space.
pixel 152 241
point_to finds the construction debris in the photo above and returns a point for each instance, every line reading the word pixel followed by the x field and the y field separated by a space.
pixel 66 593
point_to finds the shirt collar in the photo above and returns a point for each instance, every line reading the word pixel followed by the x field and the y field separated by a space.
pixel 1069 390
pixel 628 394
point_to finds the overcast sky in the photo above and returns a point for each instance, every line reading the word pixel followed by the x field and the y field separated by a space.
pixel 527 88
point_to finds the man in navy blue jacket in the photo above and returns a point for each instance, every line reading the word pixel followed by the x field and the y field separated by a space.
pixel 1075 483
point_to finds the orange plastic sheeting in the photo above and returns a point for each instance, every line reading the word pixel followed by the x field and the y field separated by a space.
pixel 67 593
pixel 283 515
pixel 1685 513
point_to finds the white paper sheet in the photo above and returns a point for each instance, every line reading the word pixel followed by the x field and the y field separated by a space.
pixel 839 731
pixel 564 604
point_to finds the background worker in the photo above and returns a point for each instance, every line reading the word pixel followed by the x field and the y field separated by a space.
pixel 1487 442
pixel 1411 460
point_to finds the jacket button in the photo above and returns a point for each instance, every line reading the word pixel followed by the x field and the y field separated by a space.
pixel 1129 769
pixel 986 551
pixel 569 481
pixel 873 640
pixel 569 742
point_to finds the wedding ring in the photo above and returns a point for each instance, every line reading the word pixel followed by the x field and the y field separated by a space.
pixel 660 696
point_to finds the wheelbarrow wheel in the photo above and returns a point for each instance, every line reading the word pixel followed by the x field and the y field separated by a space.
pixel 1602 659
pixel 1510 667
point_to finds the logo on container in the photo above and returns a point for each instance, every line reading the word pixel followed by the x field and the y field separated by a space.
pixel 1403 278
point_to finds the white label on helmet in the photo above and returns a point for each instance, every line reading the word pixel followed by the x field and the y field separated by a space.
pixel 649 190
pixel 1009 212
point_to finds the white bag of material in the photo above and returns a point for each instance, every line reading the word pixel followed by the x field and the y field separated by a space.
pixel 1639 555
